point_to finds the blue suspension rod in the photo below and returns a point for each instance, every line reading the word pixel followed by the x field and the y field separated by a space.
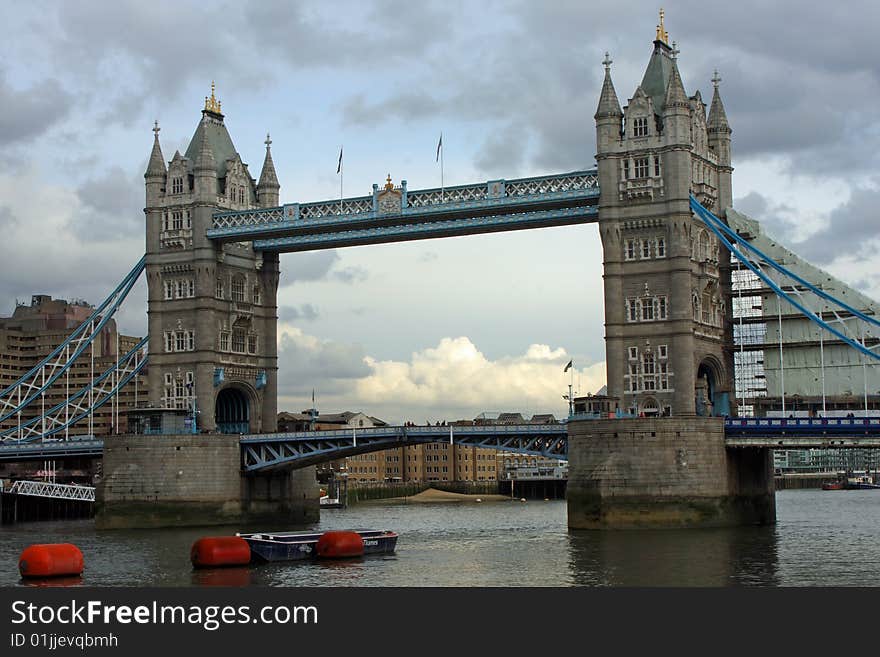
pixel 707 216
pixel 125 288
pixel 140 345
pixel 134 273
pixel 781 293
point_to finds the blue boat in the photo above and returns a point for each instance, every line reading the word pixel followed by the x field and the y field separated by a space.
pixel 865 482
pixel 300 546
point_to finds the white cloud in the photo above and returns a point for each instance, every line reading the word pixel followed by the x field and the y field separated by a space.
pixel 449 381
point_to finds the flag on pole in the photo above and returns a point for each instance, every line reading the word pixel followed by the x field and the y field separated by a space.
pixel 339 166
pixel 567 367
pixel 439 147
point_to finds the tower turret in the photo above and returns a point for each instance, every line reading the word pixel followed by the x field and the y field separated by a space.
pixel 676 108
pixel 719 141
pixel 156 171
pixel 608 114
pixel 268 187
pixel 205 170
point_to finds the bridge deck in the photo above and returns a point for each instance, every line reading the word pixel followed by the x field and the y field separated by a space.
pixel 400 214
pixel 299 449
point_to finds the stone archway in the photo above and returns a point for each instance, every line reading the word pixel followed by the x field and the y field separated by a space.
pixel 708 398
pixel 232 411
pixel 649 407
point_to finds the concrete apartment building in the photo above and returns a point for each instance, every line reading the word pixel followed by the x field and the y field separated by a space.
pixel 34 331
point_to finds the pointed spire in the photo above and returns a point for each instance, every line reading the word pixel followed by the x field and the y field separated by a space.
pixel 609 105
pixel 156 167
pixel 205 158
pixel 268 178
pixel 675 94
pixel 717 115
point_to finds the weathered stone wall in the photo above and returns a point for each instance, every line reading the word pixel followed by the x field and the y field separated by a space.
pixel 188 480
pixel 664 472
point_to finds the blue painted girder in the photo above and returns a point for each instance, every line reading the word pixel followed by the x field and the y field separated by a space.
pixel 51 449
pixel 300 449
pixel 430 230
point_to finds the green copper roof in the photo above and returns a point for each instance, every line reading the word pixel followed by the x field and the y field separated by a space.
pixel 218 139
pixel 657 76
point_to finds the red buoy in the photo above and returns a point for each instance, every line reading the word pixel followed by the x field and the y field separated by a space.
pixel 215 551
pixel 339 545
pixel 50 560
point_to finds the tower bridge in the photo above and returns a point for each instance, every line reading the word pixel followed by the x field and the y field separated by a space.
pixel 661 195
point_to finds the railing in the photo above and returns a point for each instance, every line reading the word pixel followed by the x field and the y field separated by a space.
pixel 55 491
pixel 812 426
pixel 477 195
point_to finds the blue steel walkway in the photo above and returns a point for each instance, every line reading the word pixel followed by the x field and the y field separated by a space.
pixel 261 452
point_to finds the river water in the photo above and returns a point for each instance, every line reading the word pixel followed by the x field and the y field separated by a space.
pixel 822 538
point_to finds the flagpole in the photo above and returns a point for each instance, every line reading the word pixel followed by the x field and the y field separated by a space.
pixel 341 176
pixel 442 187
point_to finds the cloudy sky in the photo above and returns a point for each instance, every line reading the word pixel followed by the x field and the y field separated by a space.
pixel 436 329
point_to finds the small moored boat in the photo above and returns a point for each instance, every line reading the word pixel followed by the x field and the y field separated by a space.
pixel 299 546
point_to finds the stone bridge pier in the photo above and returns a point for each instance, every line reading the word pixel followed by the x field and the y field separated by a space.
pixel 191 480
pixel 665 472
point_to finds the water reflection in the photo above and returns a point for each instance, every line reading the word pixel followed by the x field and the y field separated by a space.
pixel 238 576
pixel 693 557
pixel 51 582
pixel 821 539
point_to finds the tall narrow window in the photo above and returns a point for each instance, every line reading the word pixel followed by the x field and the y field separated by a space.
pixel 256 296
pixel 657 165
pixel 661 247
pixel 238 341
pixel 631 249
pixel 219 290
pixel 661 307
pixel 632 311
pixel 238 288
pixel 640 127
pixel 177 185
pixel 646 249
pixel 647 310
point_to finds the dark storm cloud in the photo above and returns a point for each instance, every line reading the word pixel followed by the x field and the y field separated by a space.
pixel 795 82
pixel 386 33
pixel 305 363
pixel 28 113
pixel 316 266
pixel 778 220
pixel 111 207
pixel 306 312
pixel 7 219
pixel 853 230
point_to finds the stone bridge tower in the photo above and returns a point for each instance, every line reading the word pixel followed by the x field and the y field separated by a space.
pixel 667 279
pixel 212 307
